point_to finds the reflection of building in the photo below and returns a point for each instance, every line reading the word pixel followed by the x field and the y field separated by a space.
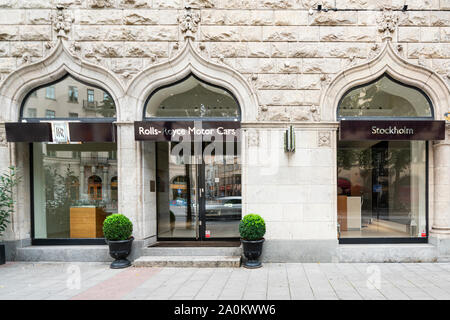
pixel 69 99
pixel 93 175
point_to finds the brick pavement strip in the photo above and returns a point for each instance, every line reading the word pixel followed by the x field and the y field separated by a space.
pixel 23 281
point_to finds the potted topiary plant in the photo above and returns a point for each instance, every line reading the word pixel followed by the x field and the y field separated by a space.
pixel 117 230
pixel 252 229
pixel 8 181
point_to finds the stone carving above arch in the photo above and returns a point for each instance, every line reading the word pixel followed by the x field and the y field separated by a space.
pixel 389 61
pixel 56 64
pixel 187 60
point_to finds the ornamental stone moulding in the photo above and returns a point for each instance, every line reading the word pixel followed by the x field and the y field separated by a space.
pixel 189 21
pixel 189 60
pixel 62 22
pixel 324 139
pixel 387 22
pixel 53 66
pixel 388 60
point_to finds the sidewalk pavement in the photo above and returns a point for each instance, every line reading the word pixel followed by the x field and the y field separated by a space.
pixel 392 281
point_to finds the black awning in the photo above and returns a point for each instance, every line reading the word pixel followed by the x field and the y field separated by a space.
pixel 42 132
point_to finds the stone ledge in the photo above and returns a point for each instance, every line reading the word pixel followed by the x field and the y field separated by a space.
pixel 64 253
pixel 374 253
pixel 189 261
pixel 192 251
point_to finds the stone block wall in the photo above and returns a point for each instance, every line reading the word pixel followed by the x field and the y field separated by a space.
pixel 286 48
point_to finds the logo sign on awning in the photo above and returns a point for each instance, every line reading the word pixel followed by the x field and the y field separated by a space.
pixel 356 130
pixel 60 132
pixel 176 130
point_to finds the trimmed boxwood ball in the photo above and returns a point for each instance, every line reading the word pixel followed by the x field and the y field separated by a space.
pixel 117 227
pixel 252 227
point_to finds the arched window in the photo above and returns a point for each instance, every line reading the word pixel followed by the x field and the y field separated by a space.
pixel 68 98
pixel 385 98
pixel 95 188
pixel 382 184
pixel 192 98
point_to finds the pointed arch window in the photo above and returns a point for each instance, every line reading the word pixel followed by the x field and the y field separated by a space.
pixel 192 98
pixel 64 98
pixel 385 97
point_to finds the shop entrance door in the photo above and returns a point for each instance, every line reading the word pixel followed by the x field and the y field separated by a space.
pixel 202 200
pixel 380 181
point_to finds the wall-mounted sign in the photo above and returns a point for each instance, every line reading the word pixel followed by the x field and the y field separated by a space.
pixel 447 116
pixel 354 130
pixel 60 132
pixel 177 130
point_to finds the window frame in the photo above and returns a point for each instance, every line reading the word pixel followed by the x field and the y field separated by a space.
pixel 385 74
pixel 23 118
pixel 391 240
pixel 146 118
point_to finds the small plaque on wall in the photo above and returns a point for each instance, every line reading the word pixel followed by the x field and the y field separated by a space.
pixel 152 186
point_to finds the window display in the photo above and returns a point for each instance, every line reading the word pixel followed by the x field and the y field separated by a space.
pixel 74 189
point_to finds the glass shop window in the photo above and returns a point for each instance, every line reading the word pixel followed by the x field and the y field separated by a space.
pixel 64 101
pixel 192 98
pixel 382 185
pixel 385 98
pixel 74 189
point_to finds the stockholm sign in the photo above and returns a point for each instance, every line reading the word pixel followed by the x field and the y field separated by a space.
pixel 354 130
pixel 173 130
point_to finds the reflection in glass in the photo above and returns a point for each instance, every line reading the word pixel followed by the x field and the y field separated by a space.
pixel 176 183
pixel 75 188
pixel 64 98
pixel 192 98
pixel 223 199
pixel 382 189
pixel 189 192
pixel 384 98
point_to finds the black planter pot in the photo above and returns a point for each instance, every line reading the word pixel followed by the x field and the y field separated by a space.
pixel 252 251
pixel 2 254
pixel 120 250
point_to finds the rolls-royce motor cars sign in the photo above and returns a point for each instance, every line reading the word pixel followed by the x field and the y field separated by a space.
pixel 177 130
pixel 355 130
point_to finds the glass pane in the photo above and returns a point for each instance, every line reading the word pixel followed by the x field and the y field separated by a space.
pixel 63 101
pixel 382 189
pixel 72 191
pixel 384 98
pixel 176 185
pixel 223 200
pixel 192 98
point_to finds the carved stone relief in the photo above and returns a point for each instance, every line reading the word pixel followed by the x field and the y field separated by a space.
pixel 62 22
pixel 189 21
pixel 324 139
pixel 387 22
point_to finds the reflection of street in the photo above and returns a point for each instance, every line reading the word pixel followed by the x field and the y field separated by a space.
pixel 224 228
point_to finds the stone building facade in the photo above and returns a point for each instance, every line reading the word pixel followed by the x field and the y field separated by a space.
pixel 287 63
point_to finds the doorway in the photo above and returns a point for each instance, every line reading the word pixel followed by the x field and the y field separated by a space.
pixel 198 193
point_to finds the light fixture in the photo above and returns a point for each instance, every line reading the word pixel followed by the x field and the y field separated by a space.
pixel 289 140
